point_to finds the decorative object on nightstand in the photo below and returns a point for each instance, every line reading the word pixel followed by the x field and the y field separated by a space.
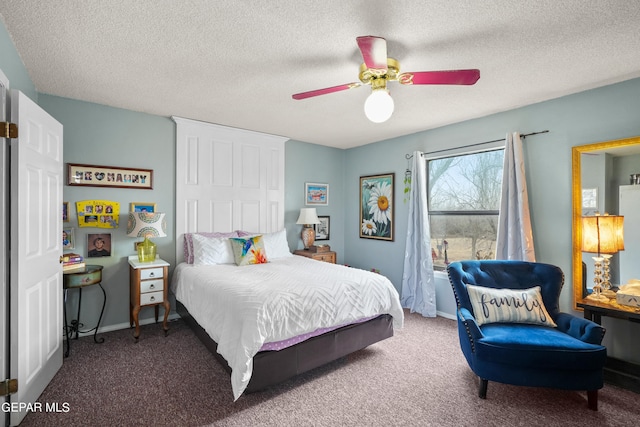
pixel 308 217
pixel 148 286
pixel 602 235
pixel 146 224
pixel 319 253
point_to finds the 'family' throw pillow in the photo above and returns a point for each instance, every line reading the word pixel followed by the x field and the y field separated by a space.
pixel 509 306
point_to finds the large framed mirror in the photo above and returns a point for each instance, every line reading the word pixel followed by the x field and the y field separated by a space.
pixel 598 172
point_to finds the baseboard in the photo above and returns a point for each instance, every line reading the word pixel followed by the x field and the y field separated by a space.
pixel 119 326
pixel 622 374
pixel 446 315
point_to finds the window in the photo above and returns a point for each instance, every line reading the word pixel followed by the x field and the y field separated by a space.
pixel 464 201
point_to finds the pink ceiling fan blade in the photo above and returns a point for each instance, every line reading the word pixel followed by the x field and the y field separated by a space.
pixel 374 51
pixel 447 77
pixel 318 92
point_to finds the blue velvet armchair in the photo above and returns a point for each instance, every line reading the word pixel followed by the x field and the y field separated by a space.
pixel 566 356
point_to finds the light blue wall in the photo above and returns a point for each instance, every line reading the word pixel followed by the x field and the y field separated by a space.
pixel 12 66
pixel 601 114
pixel 100 135
pixel 319 164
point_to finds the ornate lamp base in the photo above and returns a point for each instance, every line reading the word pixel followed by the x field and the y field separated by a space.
pixel 308 236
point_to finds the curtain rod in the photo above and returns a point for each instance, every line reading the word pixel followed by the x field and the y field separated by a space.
pixel 409 156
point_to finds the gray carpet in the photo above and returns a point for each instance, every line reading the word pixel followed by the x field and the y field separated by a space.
pixel 418 377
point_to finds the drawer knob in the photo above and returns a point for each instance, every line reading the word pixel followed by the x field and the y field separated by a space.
pixel 152 286
pixel 151 274
pixel 152 298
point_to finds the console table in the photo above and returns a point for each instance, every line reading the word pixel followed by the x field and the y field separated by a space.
pixel 594 310
pixel 618 372
pixel 79 279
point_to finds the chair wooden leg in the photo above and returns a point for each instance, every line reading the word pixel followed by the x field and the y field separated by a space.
pixel 592 399
pixel 482 389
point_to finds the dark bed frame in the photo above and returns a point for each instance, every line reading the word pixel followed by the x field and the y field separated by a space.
pixel 273 367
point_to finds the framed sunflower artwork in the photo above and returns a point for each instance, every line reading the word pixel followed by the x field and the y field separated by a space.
pixel 376 206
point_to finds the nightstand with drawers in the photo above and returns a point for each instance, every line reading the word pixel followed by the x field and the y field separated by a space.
pixel 326 256
pixel 149 287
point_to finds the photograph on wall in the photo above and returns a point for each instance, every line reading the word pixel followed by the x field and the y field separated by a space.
pixel 109 176
pixel 98 213
pixel 316 194
pixel 322 229
pixel 65 211
pixel 376 206
pixel 98 245
pixel 68 239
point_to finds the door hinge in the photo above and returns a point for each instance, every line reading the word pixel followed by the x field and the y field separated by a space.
pixel 8 387
pixel 8 130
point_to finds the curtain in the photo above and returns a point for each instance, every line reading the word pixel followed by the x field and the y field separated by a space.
pixel 418 287
pixel 515 237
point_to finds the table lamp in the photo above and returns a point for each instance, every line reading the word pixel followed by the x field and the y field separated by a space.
pixel 307 218
pixel 604 236
pixel 145 224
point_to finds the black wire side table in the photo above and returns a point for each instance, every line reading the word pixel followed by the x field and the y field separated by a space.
pixel 79 279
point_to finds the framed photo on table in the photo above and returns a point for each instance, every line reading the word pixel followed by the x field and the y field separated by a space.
pixel 322 229
pixel 143 207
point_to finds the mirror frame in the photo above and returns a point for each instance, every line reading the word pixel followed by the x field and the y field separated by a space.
pixel 576 229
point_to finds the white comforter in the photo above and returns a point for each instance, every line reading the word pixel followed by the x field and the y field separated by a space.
pixel 244 307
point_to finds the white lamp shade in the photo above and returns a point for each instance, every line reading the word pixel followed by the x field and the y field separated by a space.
pixel 144 224
pixel 379 106
pixel 308 216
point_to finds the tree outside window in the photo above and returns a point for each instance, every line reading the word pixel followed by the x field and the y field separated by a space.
pixel 464 201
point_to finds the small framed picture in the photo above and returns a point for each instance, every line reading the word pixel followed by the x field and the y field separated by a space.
pixel 143 207
pixel 322 229
pixel 68 239
pixel 316 194
pixel 65 211
pixel 98 245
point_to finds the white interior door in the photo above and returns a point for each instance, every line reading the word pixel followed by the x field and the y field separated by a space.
pixel 36 247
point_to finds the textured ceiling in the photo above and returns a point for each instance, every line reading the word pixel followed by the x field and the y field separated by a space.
pixel 237 63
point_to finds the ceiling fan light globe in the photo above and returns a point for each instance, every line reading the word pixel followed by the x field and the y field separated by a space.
pixel 379 106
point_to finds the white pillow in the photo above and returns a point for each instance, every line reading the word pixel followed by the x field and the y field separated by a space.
pixel 276 245
pixel 212 250
pixel 188 242
pixel 509 306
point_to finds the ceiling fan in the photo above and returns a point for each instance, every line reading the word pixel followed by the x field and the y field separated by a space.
pixel 378 69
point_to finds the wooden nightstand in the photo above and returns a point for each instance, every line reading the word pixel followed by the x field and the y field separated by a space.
pixel 328 256
pixel 148 285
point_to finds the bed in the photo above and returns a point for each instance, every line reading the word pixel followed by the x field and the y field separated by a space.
pixel 271 321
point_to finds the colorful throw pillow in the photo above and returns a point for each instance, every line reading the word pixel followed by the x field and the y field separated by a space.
pixel 247 251
pixel 509 306
pixel 275 244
